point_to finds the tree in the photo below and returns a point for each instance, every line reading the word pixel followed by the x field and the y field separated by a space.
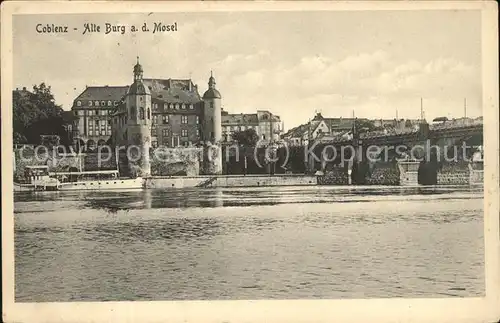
pixel 36 113
pixel 246 137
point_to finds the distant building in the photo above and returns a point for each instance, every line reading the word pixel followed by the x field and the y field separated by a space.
pixel 266 125
pixel 318 127
pixel 329 128
pixel 180 116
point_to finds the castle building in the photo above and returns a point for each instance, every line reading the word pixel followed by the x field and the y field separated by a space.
pixel 179 115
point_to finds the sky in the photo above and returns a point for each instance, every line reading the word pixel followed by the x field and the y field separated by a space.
pixel 372 64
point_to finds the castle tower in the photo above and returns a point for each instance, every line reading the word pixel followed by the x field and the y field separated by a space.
pixel 212 129
pixel 212 113
pixel 138 102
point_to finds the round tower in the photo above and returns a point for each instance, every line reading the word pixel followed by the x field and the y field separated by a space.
pixel 212 113
pixel 212 129
pixel 138 101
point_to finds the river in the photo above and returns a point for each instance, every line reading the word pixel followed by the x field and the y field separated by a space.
pixel 249 243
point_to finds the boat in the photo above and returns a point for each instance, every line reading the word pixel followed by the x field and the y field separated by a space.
pixel 37 178
pixel 95 181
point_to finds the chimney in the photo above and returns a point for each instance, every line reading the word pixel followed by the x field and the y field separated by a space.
pixel 190 86
pixel 24 88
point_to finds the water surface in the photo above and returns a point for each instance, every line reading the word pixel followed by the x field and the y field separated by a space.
pixel 249 243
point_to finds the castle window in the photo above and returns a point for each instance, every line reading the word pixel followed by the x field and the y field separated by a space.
pixel 212 105
pixel 165 119
pixel 184 119
pixel 140 98
pixel 90 103
pixel 149 113
pixel 133 113
pixel 183 106
pixel 197 120
pixel 191 107
pixel 78 103
pixel 141 113
pixel 184 132
pixel 96 103
pixel 109 103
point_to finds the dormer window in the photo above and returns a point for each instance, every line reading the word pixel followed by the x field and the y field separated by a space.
pixel 78 103
pixel 96 103
pixel 109 103
pixel 191 107
pixel 115 103
pixel 90 103
pixel 171 106
pixel 103 103
pixel 177 106
pixel 183 106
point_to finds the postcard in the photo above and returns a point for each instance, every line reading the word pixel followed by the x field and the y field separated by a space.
pixel 250 161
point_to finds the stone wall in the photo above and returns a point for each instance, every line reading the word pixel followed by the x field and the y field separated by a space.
pixel 454 173
pixel 230 181
pixel 453 178
pixel 384 174
pixel 176 161
pixel 334 176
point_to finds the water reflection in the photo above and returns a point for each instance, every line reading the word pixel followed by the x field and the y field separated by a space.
pixel 115 201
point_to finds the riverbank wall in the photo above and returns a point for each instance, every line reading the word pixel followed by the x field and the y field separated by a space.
pixel 163 182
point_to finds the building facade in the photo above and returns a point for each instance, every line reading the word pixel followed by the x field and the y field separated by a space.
pixel 179 115
pixel 267 126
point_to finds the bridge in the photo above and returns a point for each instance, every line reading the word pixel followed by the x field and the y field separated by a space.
pixel 428 155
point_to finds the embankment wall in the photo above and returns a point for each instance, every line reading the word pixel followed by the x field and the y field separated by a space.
pixel 229 181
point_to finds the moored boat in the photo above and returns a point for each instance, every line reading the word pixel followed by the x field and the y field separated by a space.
pixel 37 178
pixel 95 180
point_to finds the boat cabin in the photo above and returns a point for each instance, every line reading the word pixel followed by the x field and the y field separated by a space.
pixel 65 177
pixel 36 174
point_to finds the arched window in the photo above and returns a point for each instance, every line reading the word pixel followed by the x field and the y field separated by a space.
pixel 149 114
pixel 133 113
pixel 141 113
pixel 78 103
